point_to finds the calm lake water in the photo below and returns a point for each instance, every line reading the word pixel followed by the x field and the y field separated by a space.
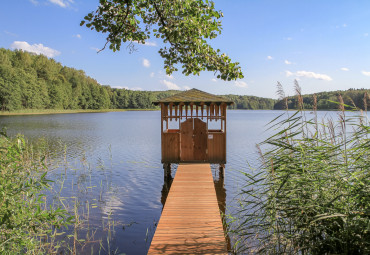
pixel 111 164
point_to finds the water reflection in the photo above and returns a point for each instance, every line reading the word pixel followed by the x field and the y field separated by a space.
pixel 167 182
pixel 219 181
pixel 111 164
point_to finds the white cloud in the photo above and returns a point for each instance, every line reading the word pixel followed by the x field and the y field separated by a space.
pixel 35 48
pixel 186 88
pixel 120 87
pixel 344 69
pixel 366 73
pixel 287 62
pixel 288 73
pixel 288 38
pixel 170 77
pixel 94 49
pixel 270 58
pixel 241 84
pixel 34 2
pixel 78 36
pixel 146 62
pixel 366 34
pixel 214 80
pixel 309 75
pixel 125 87
pixel 170 85
pixel 62 3
pixel 153 44
pixel 152 74
pixel 344 25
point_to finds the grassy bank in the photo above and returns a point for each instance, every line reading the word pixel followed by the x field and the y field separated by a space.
pixel 56 111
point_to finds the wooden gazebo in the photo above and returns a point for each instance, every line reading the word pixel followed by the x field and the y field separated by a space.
pixel 193 128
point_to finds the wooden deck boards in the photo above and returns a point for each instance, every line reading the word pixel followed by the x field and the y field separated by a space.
pixel 190 222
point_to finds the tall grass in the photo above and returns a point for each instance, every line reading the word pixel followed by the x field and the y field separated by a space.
pixel 25 219
pixel 311 194
pixel 35 217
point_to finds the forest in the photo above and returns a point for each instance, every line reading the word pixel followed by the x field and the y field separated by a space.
pixel 30 81
pixel 357 98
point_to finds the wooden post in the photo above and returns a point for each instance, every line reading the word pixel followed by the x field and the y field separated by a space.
pixel 166 171
pixel 176 112
pixel 181 111
pixel 222 172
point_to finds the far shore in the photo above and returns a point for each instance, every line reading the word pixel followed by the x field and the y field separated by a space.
pixel 59 111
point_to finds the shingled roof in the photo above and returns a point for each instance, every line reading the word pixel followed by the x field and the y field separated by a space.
pixel 195 96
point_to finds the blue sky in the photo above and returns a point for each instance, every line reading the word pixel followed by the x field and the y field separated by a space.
pixel 323 44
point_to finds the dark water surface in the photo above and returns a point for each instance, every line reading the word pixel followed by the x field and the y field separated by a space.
pixel 111 164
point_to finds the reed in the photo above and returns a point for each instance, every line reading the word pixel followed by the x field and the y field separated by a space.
pixel 25 220
pixel 35 218
pixel 311 194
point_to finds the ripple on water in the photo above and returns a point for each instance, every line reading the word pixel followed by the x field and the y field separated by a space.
pixel 119 155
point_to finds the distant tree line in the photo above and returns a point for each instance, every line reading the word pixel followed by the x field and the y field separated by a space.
pixel 30 81
pixel 359 98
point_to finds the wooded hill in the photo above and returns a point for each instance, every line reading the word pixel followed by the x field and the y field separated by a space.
pixel 327 100
pixel 30 81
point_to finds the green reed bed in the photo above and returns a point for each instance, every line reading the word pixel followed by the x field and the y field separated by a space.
pixel 312 192
pixel 34 216
pixel 25 218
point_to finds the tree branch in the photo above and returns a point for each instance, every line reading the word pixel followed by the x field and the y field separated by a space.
pixel 123 22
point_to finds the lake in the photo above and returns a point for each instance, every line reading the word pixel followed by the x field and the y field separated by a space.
pixel 110 164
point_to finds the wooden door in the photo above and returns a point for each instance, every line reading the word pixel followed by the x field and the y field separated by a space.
pixel 187 150
pixel 200 140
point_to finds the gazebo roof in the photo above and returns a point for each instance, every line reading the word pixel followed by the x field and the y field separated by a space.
pixel 195 96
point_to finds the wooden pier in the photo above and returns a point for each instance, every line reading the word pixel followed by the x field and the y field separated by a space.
pixel 190 222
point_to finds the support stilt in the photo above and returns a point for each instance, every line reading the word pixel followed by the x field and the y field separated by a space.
pixel 166 171
pixel 222 168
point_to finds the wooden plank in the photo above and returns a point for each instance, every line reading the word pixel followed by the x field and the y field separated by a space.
pixel 200 140
pixel 190 222
pixel 186 140
pixel 217 147
pixel 170 147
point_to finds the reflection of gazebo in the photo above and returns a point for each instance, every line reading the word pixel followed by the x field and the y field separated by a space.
pixel 193 128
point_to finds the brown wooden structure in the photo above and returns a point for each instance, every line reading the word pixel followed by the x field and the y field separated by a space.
pixel 190 222
pixel 186 130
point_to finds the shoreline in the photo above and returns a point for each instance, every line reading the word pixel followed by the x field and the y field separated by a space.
pixel 51 111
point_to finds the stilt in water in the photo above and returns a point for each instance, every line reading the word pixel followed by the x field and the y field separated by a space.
pixel 222 168
pixel 166 171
